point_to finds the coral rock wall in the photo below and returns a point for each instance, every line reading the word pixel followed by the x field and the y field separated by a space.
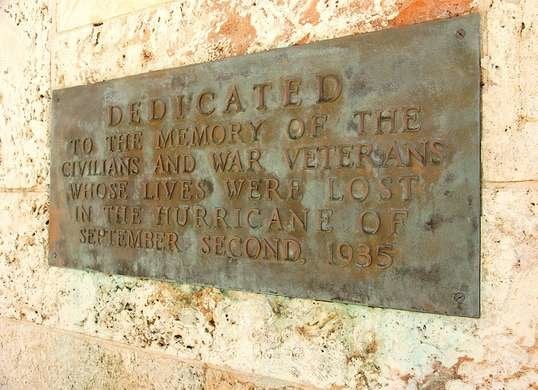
pixel 61 328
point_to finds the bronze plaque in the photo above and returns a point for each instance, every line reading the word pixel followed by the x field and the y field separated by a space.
pixel 344 170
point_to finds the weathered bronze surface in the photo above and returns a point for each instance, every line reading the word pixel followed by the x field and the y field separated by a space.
pixel 343 170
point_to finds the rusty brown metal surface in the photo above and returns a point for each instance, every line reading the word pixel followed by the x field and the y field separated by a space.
pixel 344 170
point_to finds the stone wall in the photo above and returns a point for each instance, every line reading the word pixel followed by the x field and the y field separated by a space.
pixel 66 328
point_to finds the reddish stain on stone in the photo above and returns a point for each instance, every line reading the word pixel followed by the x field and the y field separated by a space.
pixel 416 11
pixel 533 349
pixel 407 378
pixel 238 30
pixel 205 300
pixel 371 347
pixel 311 14
pixel 303 40
pixel 440 375
pixel 355 7
pixel 147 55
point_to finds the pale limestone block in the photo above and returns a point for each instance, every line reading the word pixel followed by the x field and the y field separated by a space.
pixel 507 153
pixel 514 156
pixel 529 59
pixel 37 357
pixel 76 13
pixel 24 95
pixel 23 240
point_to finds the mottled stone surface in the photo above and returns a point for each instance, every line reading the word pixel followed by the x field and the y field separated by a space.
pixel 186 32
pixel 76 13
pixel 97 330
pixel 34 357
pixel 24 95
pixel 509 141
pixel 42 357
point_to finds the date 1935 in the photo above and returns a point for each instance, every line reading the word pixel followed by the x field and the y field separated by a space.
pixel 344 254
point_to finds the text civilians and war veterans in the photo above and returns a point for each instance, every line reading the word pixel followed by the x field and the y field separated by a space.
pixel 343 170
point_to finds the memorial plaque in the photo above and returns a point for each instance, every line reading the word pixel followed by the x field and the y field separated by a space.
pixel 344 170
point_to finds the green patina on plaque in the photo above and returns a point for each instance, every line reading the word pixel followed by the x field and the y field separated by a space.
pixel 344 170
